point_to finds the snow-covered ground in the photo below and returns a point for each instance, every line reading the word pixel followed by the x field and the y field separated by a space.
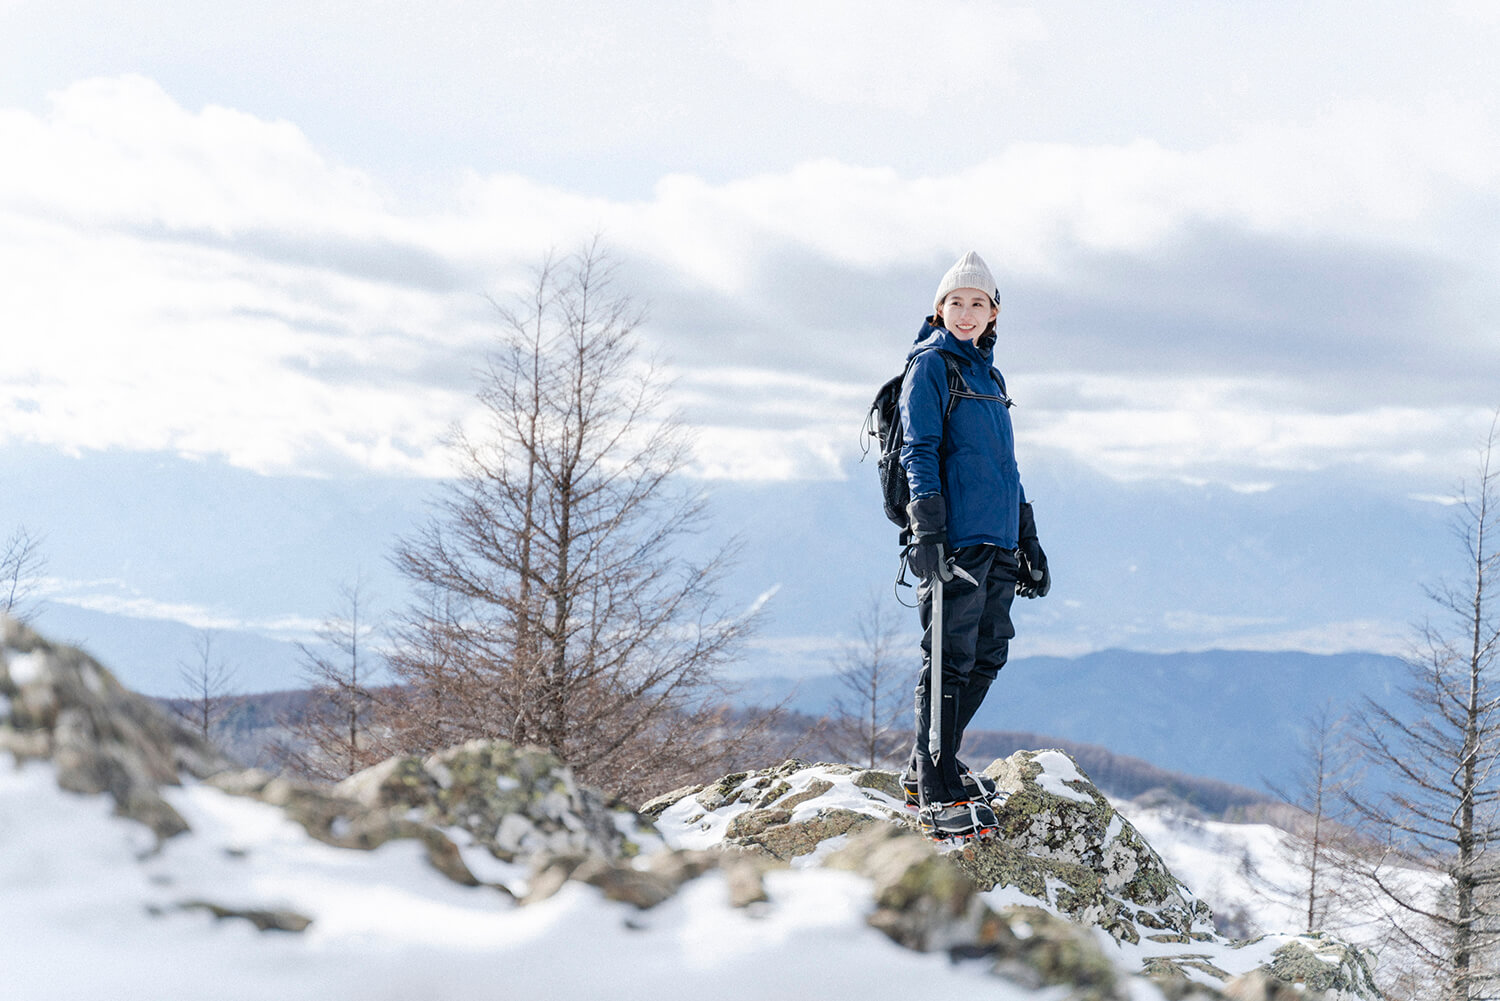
pixel 1249 871
pixel 90 909
pixel 87 912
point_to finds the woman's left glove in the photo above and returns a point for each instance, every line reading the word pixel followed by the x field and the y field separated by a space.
pixel 1034 580
pixel 928 555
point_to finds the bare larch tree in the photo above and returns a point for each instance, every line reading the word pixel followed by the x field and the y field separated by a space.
pixel 331 737
pixel 1319 840
pixel 560 603
pixel 1437 751
pixel 870 722
pixel 207 683
pixel 21 567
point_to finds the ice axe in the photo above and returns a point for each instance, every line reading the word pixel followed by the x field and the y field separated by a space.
pixel 935 661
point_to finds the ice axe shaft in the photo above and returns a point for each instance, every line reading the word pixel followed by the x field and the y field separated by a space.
pixel 935 672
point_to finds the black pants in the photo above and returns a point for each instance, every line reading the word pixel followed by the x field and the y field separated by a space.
pixel 976 641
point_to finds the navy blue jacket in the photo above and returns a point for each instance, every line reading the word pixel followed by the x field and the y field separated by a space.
pixel 974 465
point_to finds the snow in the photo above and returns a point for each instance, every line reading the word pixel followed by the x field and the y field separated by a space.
pixel 688 825
pixel 89 907
pixel 1248 870
pixel 89 910
pixel 24 667
pixel 1058 770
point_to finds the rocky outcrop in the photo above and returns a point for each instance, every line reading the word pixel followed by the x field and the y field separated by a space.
pixel 1062 841
pixel 59 704
pixel 515 801
pixel 1062 849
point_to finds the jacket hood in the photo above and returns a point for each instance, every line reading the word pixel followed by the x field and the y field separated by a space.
pixel 932 336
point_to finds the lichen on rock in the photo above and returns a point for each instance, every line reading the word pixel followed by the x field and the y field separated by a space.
pixel 514 801
pixel 1320 962
pixel 1061 832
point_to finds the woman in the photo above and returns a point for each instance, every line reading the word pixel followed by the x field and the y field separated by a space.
pixel 973 538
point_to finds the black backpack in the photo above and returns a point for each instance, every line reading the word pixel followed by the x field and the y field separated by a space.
pixel 884 424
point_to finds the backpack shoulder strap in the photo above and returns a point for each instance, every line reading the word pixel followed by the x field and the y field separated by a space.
pixel 959 389
pixel 1000 381
pixel 956 385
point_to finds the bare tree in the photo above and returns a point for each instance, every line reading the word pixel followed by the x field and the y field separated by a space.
pixel 21 567
pixel 559 605
pixel 207 681
pixel 1319 840
pixel 1438 752
pixel 332 738
pixel 869 723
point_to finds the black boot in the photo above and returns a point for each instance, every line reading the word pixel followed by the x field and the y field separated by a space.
pixel 976 786
pixel 947 810
pixel 957 822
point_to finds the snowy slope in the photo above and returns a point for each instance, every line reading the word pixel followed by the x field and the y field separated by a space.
pixel 88 911
pixel 1248 872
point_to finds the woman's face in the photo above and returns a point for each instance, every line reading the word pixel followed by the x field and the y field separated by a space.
pixel 967 312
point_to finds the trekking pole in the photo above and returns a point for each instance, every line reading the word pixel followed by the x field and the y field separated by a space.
pixel 935 671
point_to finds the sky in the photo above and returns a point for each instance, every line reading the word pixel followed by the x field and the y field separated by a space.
pixel 1240 249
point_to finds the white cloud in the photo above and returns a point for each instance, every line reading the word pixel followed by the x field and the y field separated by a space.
pixel 211 283
pixel 1234 432
pixel 115 597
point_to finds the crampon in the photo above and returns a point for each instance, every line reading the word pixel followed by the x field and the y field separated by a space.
pixel 957 823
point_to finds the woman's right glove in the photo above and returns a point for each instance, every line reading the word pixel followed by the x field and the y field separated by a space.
pixel 928 519
pixel 1034 578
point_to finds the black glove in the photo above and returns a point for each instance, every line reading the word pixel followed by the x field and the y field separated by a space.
pixel 928 518
pixel 1033 578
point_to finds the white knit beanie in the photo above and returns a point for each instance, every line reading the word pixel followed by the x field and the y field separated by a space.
pixel 969 272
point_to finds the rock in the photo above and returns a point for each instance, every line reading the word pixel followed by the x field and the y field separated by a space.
pixel 755 822
pixel 775 813
pixel 1060 840
pixel 653 808
pixel 265 920
pixel 514 801
pixel 887 783
pixel 242 782
pixel 1258 985
pixel 1322 963
pixel 642 888
pixel 680 866
pixel 549 873
pixel 371 830
pixel 788 803
pixel 1055 952
pixel 925 901
pixel 63 706
pixel 1060 843
pixel 789 841
pixel 922 900
pixel 746 878
pixel 345 822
